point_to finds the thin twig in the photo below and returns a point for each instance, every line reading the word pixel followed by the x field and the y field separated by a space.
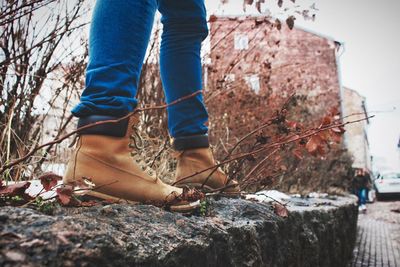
pixel 287 140
pixel 59 140
pixel 268 123
pixel 258 165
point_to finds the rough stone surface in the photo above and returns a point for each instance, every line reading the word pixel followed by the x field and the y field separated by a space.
pixel 318 232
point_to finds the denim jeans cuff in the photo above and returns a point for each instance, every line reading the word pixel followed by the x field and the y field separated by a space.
pixel 190 142
pixel 115 129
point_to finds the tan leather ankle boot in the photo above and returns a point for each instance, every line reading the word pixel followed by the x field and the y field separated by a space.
pixel 191 161
pixel 111 167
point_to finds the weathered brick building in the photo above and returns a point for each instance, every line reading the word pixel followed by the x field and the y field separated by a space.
pixel 252 52
pixel 254 65
pixel 356 138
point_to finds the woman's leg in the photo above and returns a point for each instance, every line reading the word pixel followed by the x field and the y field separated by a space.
pixel 119 36
pixel 106 154
pixel 184 29
pixel 363 196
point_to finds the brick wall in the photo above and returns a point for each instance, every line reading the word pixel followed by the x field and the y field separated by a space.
pixel 356 134
pixel 253 68
pixel 252 53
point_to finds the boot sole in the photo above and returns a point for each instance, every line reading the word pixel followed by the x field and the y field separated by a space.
pixel 207 189
pixel 184 208
pixel 106 197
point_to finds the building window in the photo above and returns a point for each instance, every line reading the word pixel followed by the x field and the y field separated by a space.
pixel 241 42
pixel 254 82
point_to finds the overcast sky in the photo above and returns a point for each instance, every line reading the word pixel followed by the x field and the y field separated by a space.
pixel 370 63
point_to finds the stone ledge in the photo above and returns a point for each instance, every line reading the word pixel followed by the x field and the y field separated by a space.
pixel 239 232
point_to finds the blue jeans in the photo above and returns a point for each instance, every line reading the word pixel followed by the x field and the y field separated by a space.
pixel 119 36
pixel 362 196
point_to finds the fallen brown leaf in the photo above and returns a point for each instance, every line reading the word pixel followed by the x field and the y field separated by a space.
pixel 49 180
pixel 65 194
pixel 17 189
pixel 280 210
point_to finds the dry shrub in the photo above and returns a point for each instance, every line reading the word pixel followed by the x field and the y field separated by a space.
pixel 332 174
pixel 234 109
pixel 42 59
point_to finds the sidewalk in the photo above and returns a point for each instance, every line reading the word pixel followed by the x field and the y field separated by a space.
pixel 378 240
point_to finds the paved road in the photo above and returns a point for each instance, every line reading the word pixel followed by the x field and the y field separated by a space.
pixel 378 241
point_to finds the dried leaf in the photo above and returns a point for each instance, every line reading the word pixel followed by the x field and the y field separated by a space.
pixel 278 24
pixel 280 210
pixel 191 194
pixel 65 194
pixel 339 130
pixel 290 22
pixel 313 143
pixel 212 18
pixel 291 124
pixel 326 120
pixel 324 135
pixel 17 189
pixel 49 180
pixel 258 5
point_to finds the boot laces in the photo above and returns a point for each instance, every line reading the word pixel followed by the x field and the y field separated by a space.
pixel 137 145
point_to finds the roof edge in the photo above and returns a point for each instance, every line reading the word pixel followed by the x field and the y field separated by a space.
pixel 230 17
pixel 355 91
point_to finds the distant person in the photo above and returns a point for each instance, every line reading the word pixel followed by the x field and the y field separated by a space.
pixel 107 156
pixel 360 185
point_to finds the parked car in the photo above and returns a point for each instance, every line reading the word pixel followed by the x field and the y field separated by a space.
pixel 371 195
pixel 387 184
